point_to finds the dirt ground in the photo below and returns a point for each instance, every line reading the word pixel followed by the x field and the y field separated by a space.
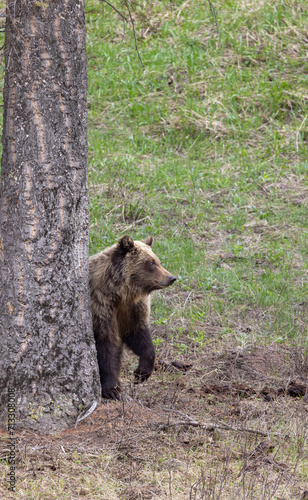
pixel 220 422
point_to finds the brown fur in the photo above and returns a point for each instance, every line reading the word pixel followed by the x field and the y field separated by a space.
pixel 121 280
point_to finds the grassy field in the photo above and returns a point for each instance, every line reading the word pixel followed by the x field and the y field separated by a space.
pixel 205 148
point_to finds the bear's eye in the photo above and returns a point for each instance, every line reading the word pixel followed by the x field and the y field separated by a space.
pixel 152 264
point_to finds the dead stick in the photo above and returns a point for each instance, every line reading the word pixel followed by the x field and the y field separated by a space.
pixel 211 427
pixel 207 427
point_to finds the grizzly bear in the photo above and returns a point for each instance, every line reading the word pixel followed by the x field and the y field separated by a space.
pixel 121 280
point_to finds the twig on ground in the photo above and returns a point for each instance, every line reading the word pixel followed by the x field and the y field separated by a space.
pixel 211 427
pixel 207 427
pixel 87 414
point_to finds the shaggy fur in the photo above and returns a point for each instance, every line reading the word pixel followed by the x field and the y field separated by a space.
pixel 121 280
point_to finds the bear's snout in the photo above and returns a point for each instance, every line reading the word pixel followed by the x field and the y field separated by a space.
pixel 165 280
pixel 172 279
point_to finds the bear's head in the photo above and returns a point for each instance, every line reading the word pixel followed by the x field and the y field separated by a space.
pixel 143 269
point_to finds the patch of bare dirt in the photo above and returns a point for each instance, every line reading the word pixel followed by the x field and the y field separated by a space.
pixel 242 410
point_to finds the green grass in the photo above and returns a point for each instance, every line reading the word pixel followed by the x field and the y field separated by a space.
pixel 205 148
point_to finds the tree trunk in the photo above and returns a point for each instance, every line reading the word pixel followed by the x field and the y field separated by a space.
pixel 47 348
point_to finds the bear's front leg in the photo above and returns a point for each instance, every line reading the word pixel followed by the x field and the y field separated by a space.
pixel 109 350
pixel 109 358
pixel 140 342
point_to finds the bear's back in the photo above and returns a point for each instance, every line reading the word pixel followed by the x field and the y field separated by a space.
pixel 100 272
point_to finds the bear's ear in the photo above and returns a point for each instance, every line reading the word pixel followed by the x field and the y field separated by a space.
pixel 149 241
pixel 126 244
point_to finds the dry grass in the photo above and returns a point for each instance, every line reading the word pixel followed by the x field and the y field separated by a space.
pixel 218 425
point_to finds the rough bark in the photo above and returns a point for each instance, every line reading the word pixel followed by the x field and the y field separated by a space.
pixel 47 347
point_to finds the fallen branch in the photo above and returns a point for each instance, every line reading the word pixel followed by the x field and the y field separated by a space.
pixel 211 427
pixel 173 366
pixel 207 427
pixel 86 414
